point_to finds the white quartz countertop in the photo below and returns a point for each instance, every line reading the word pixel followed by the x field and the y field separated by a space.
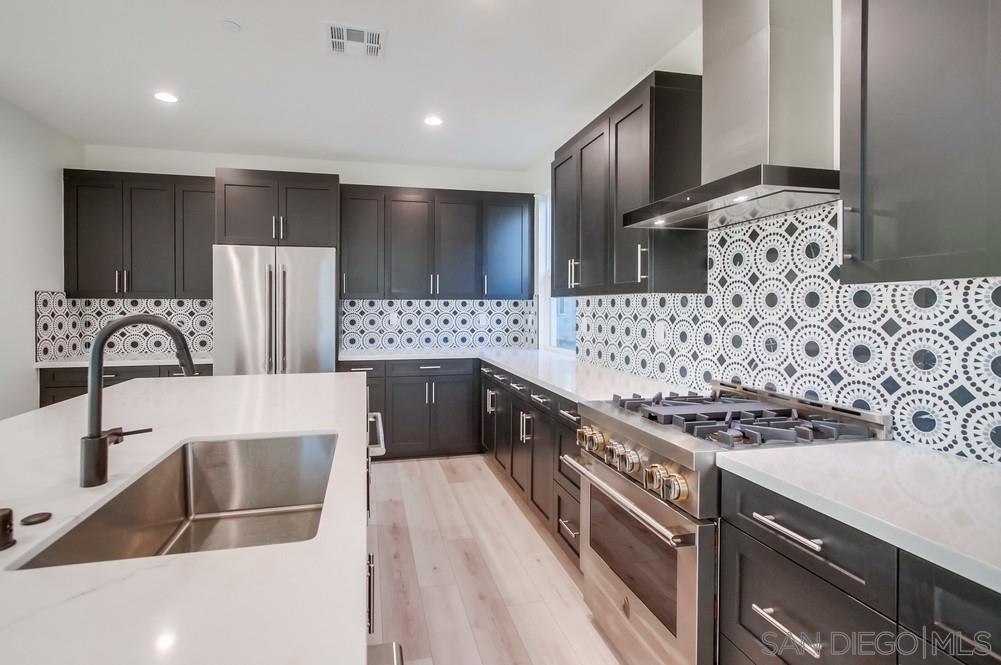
pixel 112 361
pixel 936 506
pixel 302 602
pixel 561 373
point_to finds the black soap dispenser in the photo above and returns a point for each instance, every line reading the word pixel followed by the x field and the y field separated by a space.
pixel 6 528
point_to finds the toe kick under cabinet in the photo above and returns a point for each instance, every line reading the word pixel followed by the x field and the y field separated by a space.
pixel 796 586
pixel 429 407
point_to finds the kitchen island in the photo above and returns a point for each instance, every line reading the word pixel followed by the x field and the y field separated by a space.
pixel 298 602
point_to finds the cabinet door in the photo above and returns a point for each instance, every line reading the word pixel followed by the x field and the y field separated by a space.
pixel 507 246
pixel 566 444
pixel 308 209
pixel 95 238
pixel 375 390
pixel 565 207
pixel 488 419
pixel 521 447
pixel 194 220
pixel 407 404
pixel 629 127
pixel 149 237
pixel 409 243
pixel 503 418
pixel 921 141
pixel 457 233
pixel 595 210
pixel 453 400
pixel 541 437
pixel 246 207
pixel 363 238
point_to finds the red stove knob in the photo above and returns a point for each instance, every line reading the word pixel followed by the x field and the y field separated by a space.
pixel 628 461
pixel 676 488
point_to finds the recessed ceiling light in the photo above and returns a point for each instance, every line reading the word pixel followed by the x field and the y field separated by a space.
pixel 231 26
pixel 660 222
pixel 432 120
pixel 165 96
pixel 741 198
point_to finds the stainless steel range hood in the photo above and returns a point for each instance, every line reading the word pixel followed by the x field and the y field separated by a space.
pixel 767 116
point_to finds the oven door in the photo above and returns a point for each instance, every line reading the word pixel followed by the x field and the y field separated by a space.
pixel 649 569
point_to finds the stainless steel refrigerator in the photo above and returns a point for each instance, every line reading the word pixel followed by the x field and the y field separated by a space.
pixel 274 309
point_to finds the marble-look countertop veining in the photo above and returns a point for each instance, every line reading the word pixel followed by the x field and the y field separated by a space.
pixel 301 602
pixel 122 361
pixel 558 372
pixel 936 506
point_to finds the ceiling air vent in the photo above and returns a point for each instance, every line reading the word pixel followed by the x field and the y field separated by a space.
pixel 354 41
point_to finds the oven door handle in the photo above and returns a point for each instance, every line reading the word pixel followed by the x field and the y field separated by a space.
pixel 674 538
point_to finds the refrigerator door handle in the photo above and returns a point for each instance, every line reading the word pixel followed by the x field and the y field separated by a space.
pixel 270 342
pixel 284 342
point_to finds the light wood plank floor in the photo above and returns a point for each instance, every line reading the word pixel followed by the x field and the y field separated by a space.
pixel 466 575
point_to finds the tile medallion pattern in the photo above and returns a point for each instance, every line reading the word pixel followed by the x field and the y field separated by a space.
pixel 437 324
pixel 776 315
pixel 65 327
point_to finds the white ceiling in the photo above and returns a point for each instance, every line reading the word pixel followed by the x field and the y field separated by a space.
pixel 511 78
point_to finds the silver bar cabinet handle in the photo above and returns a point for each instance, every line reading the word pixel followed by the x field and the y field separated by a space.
pixel 431 282
pixel 491 406
pixel 570 415
pixel 540 399
pixel 426 393
pixel 429 367
pixel 484 284
pixel 573 534
pixel 814 544
pixel 437 283
pixel 274 228
pixel 362 369
pixel 284 319
pixel 569 274
pixel 639 263
pixel 344 283
pixel 432 392
pixel 116 280
pixel 281 227
pixel 766 614
pixel 371 593
pixel 271 319
pixel 125 281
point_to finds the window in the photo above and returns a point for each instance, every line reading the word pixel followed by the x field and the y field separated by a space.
pixel 557 316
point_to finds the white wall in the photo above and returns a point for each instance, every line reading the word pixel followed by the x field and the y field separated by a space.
pixel 32 157
pixel 154 160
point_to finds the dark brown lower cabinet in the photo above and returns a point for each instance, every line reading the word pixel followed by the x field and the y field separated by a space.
pixel 567 523
pixel 521 447
pixel 488 416
pixel 764 598
pixel 566 444
pixel 431 408
pixel 375 389
pixel 63 383
pixel 731 655
pixel 541 440
pixel 503 434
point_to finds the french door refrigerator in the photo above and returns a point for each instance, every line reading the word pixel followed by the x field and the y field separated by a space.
pixel 274 309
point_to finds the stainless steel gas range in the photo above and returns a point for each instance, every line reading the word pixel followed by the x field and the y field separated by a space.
pixel 650 504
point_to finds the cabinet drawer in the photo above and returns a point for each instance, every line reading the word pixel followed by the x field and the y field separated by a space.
pixel 77 376
pixel 566 444
pixel 942 605
pixel 567 520
pixel 762 594
pixel 374 368
pixel 542 399
pixel 49 396
pixel 854 561
pixel 174 370
pixel 431 366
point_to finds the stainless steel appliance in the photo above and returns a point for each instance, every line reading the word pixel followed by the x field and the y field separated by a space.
pixel 649 502
pixel 275 309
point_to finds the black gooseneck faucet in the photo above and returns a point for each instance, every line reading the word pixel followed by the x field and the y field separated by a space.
pixel 94 446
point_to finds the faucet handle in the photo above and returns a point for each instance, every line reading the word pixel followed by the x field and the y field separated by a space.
pixel 116 435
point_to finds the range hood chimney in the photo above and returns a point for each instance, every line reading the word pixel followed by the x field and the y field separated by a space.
pixel 767 116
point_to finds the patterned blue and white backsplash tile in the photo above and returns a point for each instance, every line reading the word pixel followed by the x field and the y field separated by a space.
pixel 777 316
pixel 437 324
pixel 65 327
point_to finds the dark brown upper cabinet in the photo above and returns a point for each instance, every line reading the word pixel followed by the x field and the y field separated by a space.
pixel 457 232
pixel 363 242
pixel 508 259
pixel 94 234
pixel 148 265
pixel 276 208
pixel 194 224
pixel 137 235
pixel 409 243
pixel 437 244
pixel 645 146
pixel 920 139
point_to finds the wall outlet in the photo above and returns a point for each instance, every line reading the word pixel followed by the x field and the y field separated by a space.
pixel 482 320
pixel 393 319
pixel 660 332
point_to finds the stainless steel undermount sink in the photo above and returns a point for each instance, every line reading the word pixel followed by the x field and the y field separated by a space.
pixel 207 495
